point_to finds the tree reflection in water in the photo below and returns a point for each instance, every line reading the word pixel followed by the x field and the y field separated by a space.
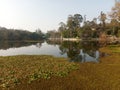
pixel 4 45
pixel 85 51
pixel 84 57
pixel 79 51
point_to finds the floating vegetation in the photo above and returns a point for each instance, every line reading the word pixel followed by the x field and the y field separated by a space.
pixel 13 69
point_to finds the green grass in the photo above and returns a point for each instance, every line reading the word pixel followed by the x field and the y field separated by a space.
pixel 114 48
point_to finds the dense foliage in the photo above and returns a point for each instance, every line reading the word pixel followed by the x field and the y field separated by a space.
pixel 14 34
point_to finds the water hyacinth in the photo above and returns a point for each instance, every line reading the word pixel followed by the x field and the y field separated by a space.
pixel 16 68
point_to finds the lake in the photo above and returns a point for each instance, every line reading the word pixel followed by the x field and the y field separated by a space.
pixel 84 51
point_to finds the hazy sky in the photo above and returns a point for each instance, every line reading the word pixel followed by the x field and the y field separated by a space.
pixel 47 14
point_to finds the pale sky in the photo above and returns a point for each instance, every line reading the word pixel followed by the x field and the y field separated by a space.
pixel 47 14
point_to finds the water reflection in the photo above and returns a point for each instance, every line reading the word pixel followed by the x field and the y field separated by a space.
pixel 39 45
pixel 4 45
pixel 84 51
pixel 84 57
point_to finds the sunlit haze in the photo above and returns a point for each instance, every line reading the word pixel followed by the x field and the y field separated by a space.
pixel 47 14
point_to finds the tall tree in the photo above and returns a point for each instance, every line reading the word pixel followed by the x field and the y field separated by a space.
pixel 70 25
pixel 73 24
pixel 78 19
pixel 115 12
pixel 115 17
pixel 102 18
pixel 62 28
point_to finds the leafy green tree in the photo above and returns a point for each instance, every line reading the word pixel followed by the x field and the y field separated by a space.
pixel 62 28
pixel 70 25
pixel 15 34
pixel 77 20
pixel 73 24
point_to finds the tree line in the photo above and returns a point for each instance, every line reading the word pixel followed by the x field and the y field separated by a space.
pixel 77 26
pixel 21 35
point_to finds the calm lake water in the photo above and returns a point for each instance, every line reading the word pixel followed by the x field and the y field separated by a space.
pixel 75 51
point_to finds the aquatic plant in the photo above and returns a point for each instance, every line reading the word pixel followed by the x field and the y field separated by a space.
pixel 16 68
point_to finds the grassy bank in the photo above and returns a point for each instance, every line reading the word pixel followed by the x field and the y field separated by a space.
pixel 50 73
